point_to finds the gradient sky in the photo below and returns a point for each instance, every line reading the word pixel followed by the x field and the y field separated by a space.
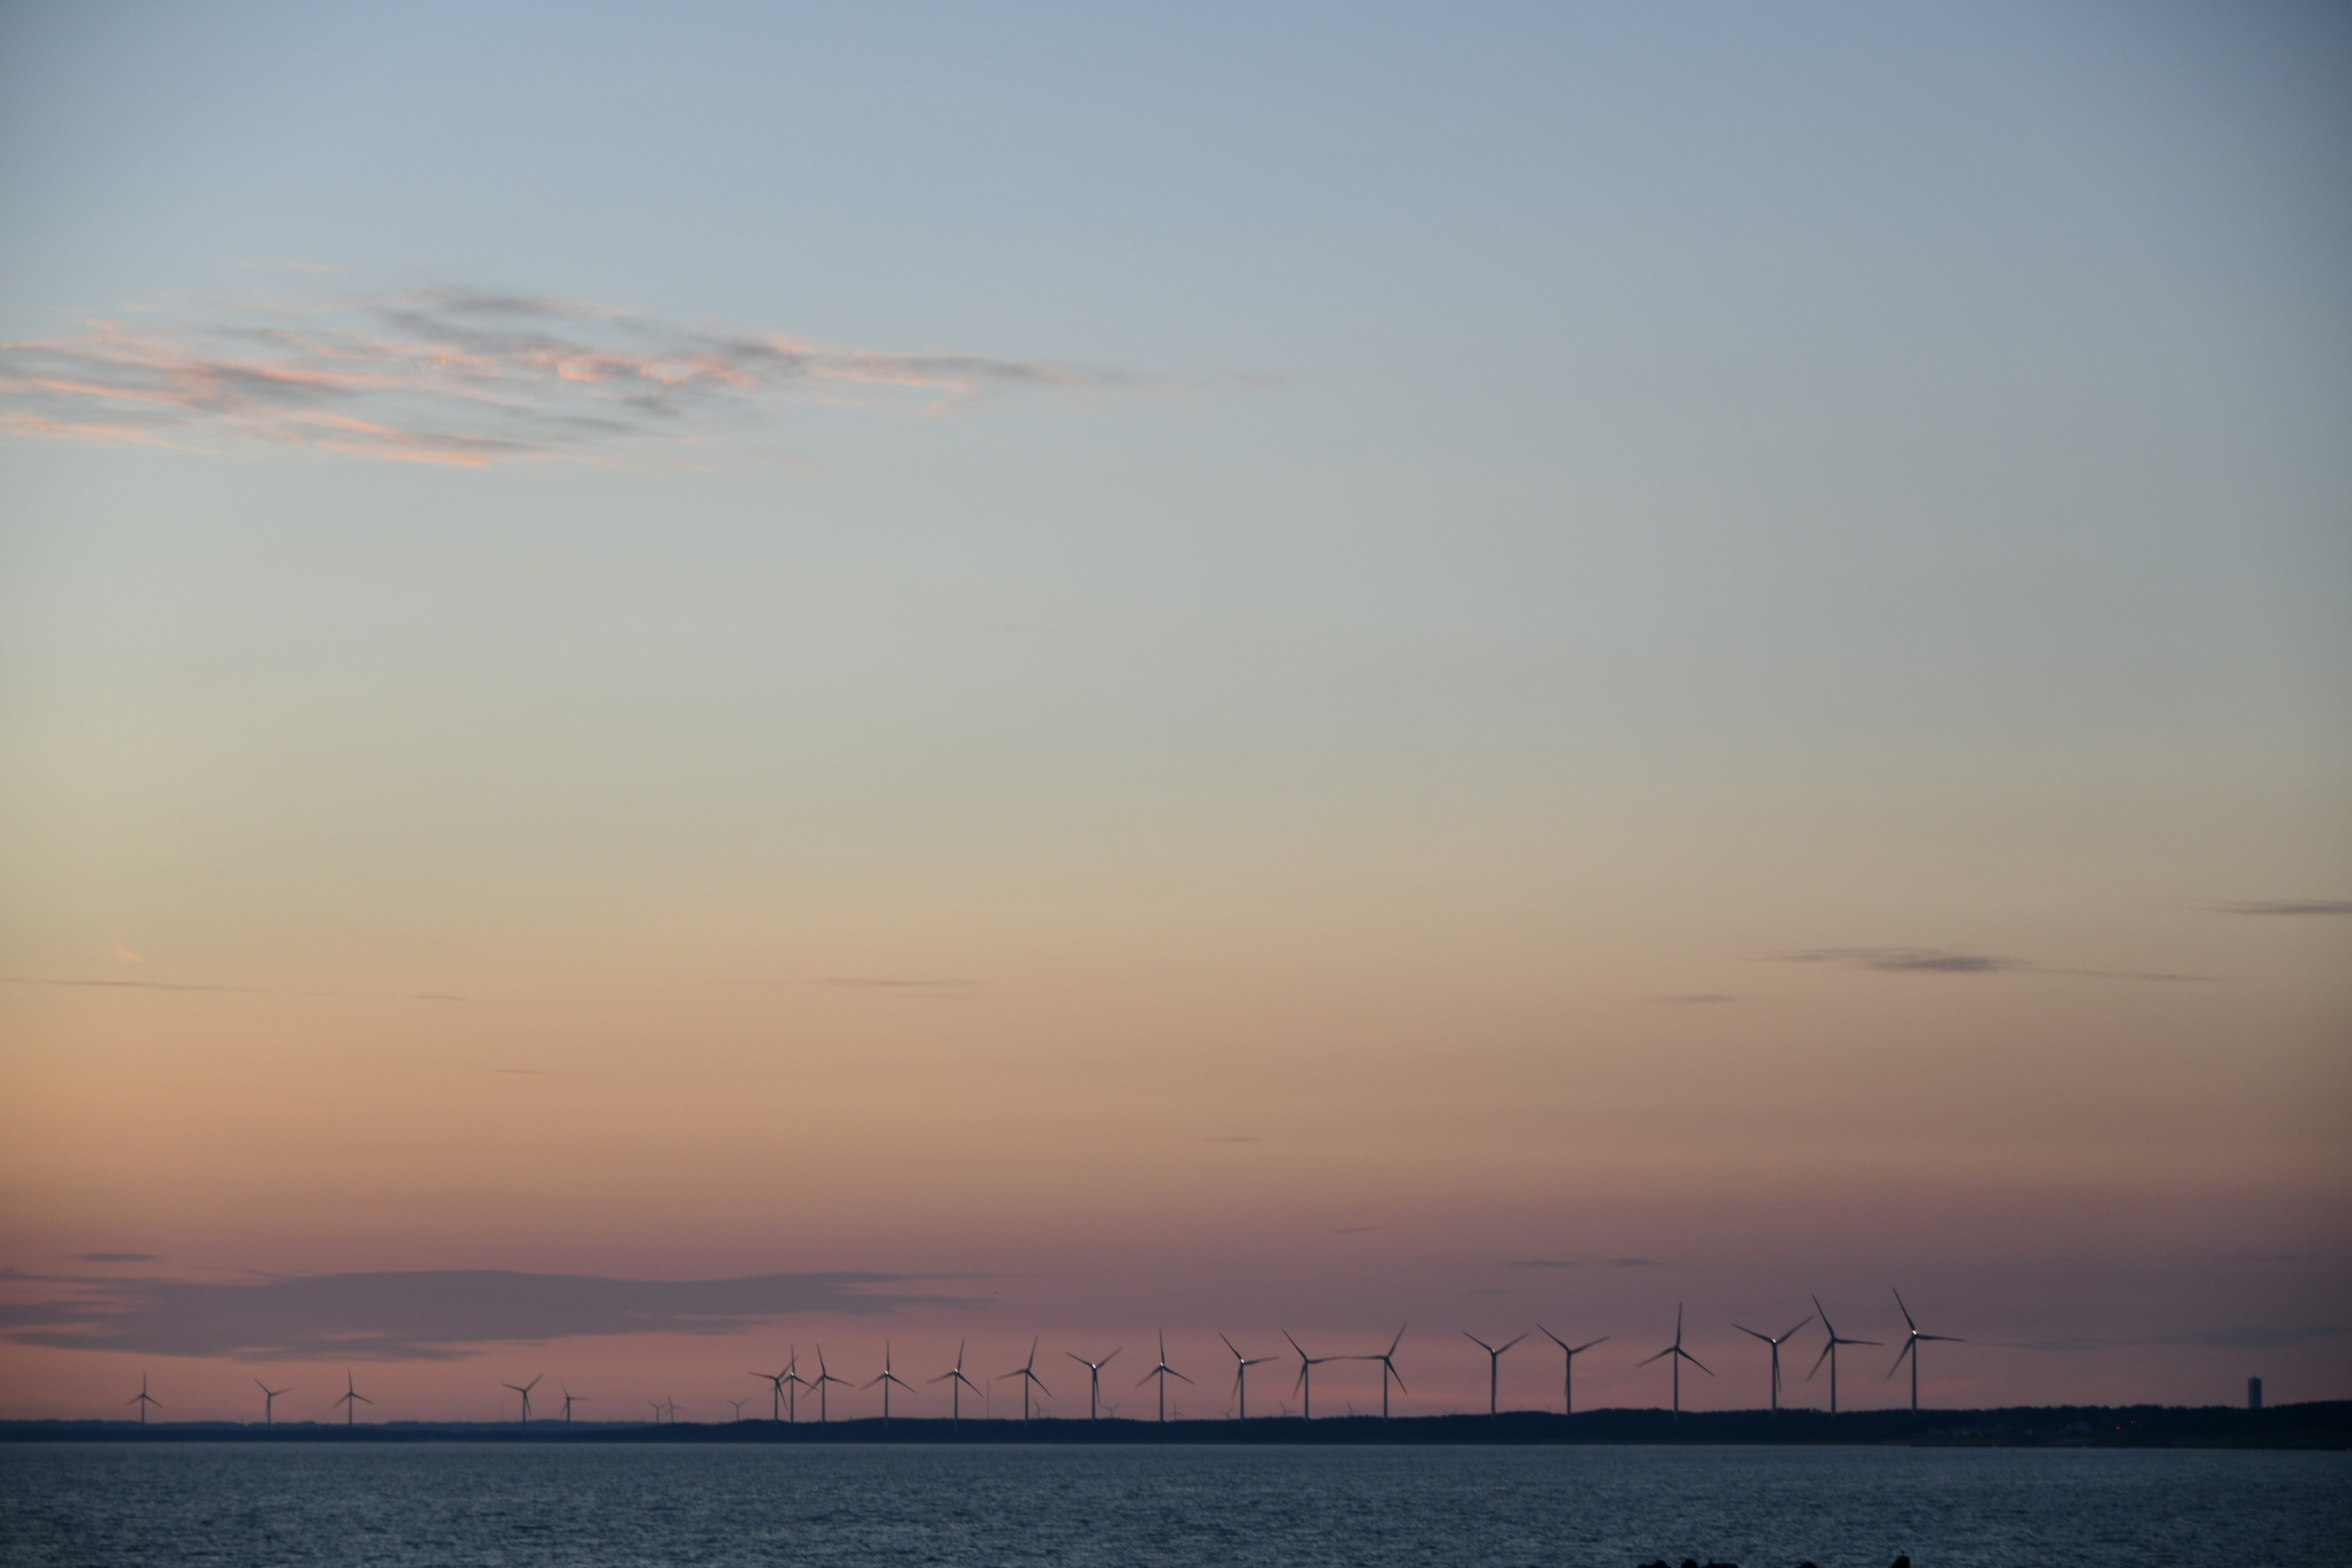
pixel 965 673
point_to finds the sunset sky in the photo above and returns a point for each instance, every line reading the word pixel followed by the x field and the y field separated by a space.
pixel 679 682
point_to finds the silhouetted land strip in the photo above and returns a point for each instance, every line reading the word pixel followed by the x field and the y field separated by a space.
pixel 2322 1425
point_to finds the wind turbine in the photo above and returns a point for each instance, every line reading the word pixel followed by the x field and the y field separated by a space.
pixel 1388 1369
pixel 1681 1355
pixel 1829 1353
pixel 1493 1368
pixel 738 1404
pixel 793 1383
pixel 570 1399
pixel 1769 1340
pixel 887 1379
pixel 524 1389
pixel 1094 1377
pixel 143 1399
pixel 1242 1364
pixel 824 1376
pixel 1163 1371
pixel 269 1401
pixel 1568 1370
pixel 657 1410
pixel 1027 1372
pixel 351 1400
pixel 1911 1348
pixel 957 1382
pixel 1305 1386
pixel 776 1397
pixel 670 1404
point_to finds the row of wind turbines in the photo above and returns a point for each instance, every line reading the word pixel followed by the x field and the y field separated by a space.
pixel 787 1384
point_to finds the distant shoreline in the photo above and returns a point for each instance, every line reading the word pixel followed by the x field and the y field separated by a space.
pixel 2324 1425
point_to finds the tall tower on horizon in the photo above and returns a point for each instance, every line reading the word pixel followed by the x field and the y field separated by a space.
pixel 2254 1394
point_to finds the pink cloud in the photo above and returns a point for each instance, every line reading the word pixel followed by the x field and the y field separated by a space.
pixel 462 377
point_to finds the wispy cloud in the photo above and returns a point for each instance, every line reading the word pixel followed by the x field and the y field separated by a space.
pixel 426 1315
pixel 2235 1337
pixel 1906 960
pixel 1636 1263
pixel 2288 907
pixel 1943 961
pixel 226 990
pixel 956 988
pixel 1543 1263
pixel 465 376
pixel 119 1256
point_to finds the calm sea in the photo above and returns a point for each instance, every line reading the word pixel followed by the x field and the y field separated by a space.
pixel 1607 1507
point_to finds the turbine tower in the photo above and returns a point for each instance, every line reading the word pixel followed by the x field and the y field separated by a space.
pixel 524 1389
pixel 887 1379
pixel 1027 1372
pixel 143 1399
pixel 657 1410
pixel 1094 1377
pixel 823 1378
pixel 957 1382
pixel 1305 1386
pixel 1568 1370
pixel 793 1383
pixel 1680 1355
pixel 1775 1343
pixel 1387 1359
pixel 1493 1369
pixel 739 1408
pixel 1911 1348
pixel 775 1395
pixel 1829 1352
pixel 269 1400
pixel 1163 1371
pixel 1242 1364
pixel 571 1399
pixel 351 1400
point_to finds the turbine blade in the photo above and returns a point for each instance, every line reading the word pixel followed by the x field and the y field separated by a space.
pixel 1898 1359
pixel 1229 1344
pixel 1799 1324
pixel 1587 1346
pixel 1746 1330
pixel 1821 1358
pixel 1541 1329
pixel 1907 1311
pixel 1948 1339
pixel 1694 1361
pixel 1509 1346
pixel 1662 1355
pixel 1479 1343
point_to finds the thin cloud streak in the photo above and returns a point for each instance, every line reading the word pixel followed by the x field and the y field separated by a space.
pixel 227 990
pixel 463 376
pixel 2288 907
pixel 2235 1337
pixel 1943 961
pixel 425 1315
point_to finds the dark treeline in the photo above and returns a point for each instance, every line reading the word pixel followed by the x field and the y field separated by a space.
pixel 2324 1424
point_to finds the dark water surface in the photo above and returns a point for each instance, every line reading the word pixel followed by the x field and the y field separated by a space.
pixel 1584 1507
